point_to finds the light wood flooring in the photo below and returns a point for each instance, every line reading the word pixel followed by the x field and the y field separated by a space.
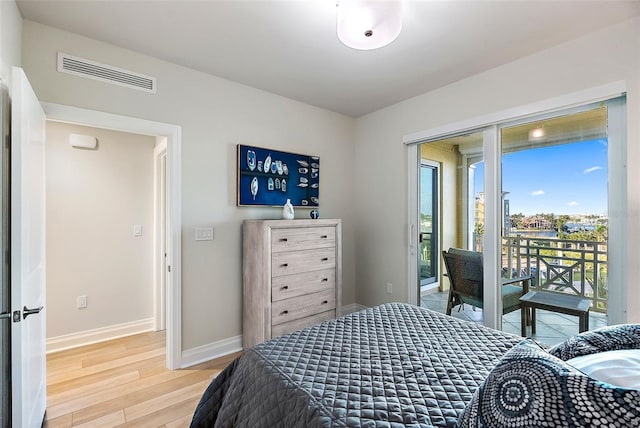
pixel 124 383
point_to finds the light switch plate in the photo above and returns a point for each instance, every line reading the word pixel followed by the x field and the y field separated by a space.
pixel 81 302
pixel 204 233
pixel 137 230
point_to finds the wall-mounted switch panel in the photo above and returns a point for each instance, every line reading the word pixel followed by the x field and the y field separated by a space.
pixel 137 230
pixel 204 233
pixel 82 302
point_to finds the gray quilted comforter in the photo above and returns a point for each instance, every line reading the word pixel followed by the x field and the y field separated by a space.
pixel 394 365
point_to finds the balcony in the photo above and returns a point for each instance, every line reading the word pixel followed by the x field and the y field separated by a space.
pixel 560 266
pixel 552 328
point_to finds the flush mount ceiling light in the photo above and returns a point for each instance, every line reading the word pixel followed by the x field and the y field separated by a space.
pixel 368 24
pixel 536 134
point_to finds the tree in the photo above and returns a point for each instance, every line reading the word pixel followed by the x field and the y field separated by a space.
pixel 516 220
pixel 561 225
pixel 602 233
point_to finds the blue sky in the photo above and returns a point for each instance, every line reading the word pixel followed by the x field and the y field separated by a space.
pixel 564 179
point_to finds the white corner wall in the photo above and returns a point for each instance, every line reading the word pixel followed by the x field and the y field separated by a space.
pixel 215 115
pixel 10 39
pixel 94 198
pixel 605 56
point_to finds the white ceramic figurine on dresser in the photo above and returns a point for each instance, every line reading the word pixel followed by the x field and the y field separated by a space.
pixel 287 211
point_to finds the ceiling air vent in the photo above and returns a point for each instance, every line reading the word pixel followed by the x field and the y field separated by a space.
pixel 105 73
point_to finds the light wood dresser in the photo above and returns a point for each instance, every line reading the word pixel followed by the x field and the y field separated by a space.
pixel 292 276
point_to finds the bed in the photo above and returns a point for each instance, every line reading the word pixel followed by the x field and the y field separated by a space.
pixel 394 365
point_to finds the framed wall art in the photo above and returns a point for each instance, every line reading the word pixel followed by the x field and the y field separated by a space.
pixel 269 177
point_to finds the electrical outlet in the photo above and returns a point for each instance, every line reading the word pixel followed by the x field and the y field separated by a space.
pixel 389 288
pixel 81 302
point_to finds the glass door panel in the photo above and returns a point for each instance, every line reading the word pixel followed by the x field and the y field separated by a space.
pixel 429 257
pixel 554 214
pixel 449 183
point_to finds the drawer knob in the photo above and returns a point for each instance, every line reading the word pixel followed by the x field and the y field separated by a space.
pixel 324 236
pixel 286 287
pixel 325 302
pixel 284 264
pixel 324 259
pixel 324 280
pixel 284 312
pixel 284 239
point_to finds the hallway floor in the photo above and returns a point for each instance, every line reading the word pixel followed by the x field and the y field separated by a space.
pixel 124 383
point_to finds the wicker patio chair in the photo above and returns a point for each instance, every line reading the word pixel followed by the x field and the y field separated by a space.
pixel 464 269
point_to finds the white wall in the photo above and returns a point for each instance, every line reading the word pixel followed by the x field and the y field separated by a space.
pixel 94 198
pixel 10 39
pixel 215 115
pixel 609 55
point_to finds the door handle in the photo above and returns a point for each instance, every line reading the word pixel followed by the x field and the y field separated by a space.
pixel 411 236
pixel 26 311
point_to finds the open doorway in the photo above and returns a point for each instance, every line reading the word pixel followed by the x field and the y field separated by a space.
pixel 173 220
pixel 132 364
pixel 100 235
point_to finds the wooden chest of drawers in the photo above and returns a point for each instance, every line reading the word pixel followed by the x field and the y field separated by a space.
pixel 292 275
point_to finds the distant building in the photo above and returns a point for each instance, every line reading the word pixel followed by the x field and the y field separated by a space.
pixel 537 222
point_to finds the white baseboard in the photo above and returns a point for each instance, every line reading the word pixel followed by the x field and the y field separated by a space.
pixel 200 354
pixel 354 307
pixel 81 338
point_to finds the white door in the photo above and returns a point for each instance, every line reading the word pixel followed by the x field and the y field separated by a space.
pixel 28 357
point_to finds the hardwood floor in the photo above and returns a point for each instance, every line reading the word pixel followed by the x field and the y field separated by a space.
pixel 124 383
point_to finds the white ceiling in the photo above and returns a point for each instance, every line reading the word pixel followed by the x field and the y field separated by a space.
pixel 290 47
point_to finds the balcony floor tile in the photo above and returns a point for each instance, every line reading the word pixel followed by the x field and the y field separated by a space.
pixel 551 328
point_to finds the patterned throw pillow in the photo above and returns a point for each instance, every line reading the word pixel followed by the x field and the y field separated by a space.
pixel 531 388
pixel 610 338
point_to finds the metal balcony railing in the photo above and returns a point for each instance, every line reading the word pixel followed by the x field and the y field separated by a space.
pixel 560 266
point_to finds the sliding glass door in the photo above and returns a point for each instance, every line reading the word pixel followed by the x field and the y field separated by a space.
pixel 533 197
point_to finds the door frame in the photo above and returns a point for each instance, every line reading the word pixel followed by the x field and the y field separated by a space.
pixel 436 186
pixel 161 204
pixel 492 155
pixel 98 119
pixel 5 233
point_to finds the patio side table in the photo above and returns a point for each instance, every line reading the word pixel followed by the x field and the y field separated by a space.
pixel 555 302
